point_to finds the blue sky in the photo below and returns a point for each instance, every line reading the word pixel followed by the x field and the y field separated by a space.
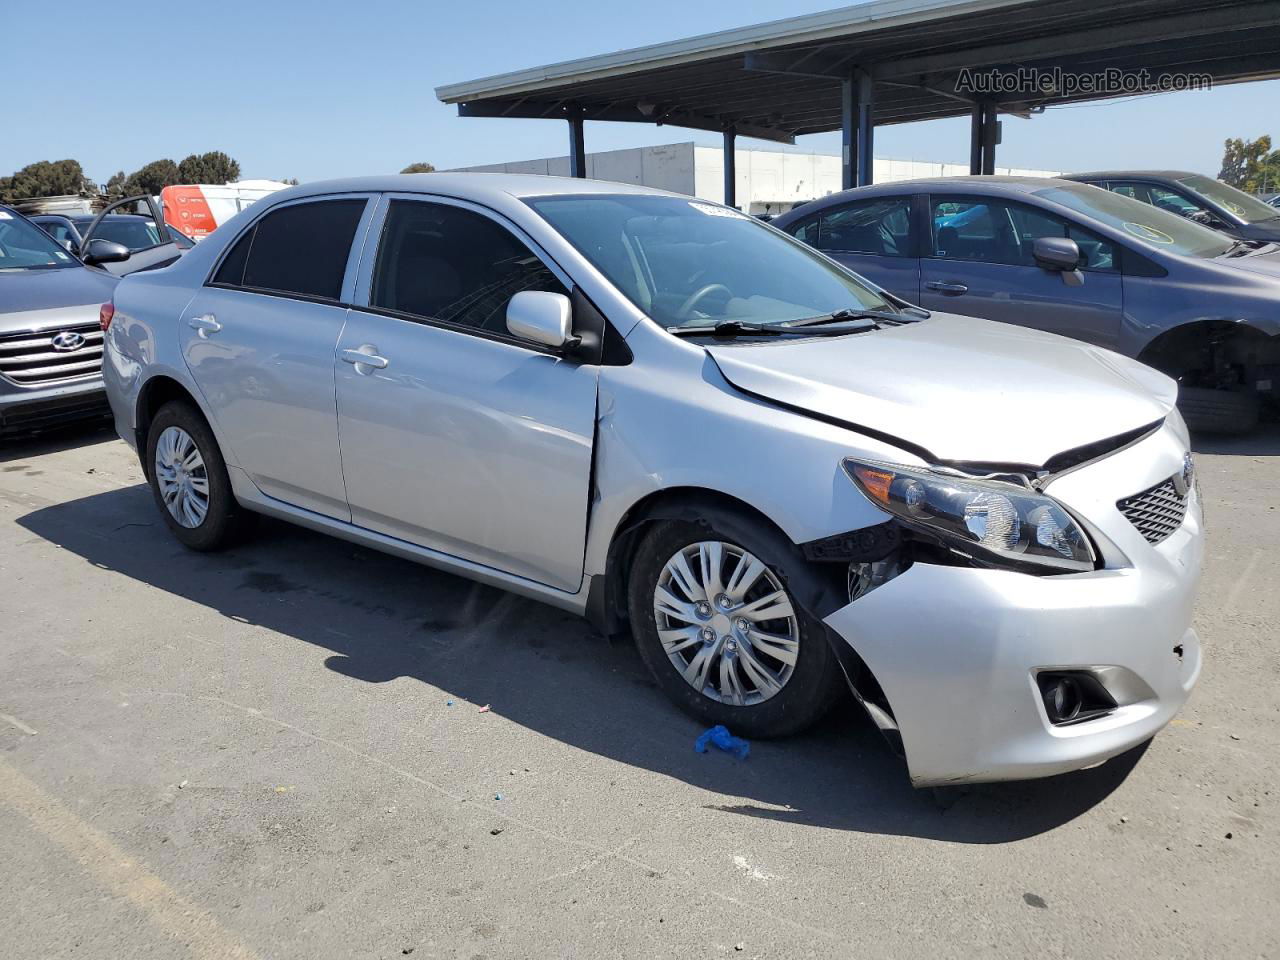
pixel 320 89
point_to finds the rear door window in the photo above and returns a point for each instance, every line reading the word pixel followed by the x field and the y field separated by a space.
pixel 879 226
pixel 444 263
pixel 299 249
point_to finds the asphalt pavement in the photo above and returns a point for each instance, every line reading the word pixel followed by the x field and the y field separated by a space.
pixel 280 751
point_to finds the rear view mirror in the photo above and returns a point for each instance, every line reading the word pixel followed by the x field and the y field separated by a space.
pixel 542 318
pixel 104 251
pixel 1056 253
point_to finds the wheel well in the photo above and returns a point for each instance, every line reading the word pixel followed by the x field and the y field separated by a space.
pixel 1211 353
pixel 155 393
pixel 606 604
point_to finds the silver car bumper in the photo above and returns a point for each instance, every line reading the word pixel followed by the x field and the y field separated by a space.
pixel 957 649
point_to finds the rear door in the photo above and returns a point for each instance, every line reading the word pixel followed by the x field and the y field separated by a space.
pixel 455 435
pixel 259 339
pixel 874 237
pixel 980 263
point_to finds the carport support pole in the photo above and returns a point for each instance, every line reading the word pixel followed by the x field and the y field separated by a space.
pixel 857 130
pixel 730 168
pixel 984 134
pixel 577 148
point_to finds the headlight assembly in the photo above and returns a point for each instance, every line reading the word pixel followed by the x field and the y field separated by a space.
pixel 991 520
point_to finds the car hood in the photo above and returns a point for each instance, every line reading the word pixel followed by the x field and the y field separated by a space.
pixel 962 389
pixel 1264 264
pixel 1265 230
pixel 30 299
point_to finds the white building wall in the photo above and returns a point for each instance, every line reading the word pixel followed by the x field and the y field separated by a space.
pixel 666 167
pixel 768 181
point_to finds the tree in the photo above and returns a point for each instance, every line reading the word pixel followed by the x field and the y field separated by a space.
pixel 214 167
pixel 152 178
pixel 1243 162
pixel 418 168
pixel 116 185
pixel 46 179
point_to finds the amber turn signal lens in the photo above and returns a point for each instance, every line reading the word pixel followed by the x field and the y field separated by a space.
pixel 876 483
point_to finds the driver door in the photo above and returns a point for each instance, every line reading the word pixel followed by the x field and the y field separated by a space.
pixel 160 253
pixel 455 435
pixel 980 263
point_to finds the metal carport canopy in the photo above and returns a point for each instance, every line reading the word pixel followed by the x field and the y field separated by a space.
pixel 884 62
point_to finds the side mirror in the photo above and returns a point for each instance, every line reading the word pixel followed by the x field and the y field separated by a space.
pixel 541 317
pixel 1056 253
pixel 104 251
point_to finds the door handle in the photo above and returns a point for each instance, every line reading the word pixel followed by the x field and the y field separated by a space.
pixel 204 325
pixel 362 358
pixel 954 288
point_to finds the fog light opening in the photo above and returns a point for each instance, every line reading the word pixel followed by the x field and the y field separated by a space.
pixel 1073 697
pixel 1062 700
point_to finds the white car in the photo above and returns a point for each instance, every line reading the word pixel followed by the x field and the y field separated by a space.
pixel 653 410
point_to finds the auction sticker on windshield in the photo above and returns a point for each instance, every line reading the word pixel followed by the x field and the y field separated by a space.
pixel 711 210
pixel 1150 234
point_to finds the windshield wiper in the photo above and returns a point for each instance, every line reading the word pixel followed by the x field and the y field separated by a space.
pixel 841 316
pixel 737 328
pixel 1239 248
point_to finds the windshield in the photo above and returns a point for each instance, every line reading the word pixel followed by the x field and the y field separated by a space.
pixel 689 263
pixel 24 246
pixel 1247 208
pixel 1151 225
pixel 134 234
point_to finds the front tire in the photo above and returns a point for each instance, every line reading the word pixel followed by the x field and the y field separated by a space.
pixel 189 479
pixel 715 620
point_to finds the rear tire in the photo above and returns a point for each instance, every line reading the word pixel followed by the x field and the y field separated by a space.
pixel 767 696
pixel 189 479
pixel 1218 411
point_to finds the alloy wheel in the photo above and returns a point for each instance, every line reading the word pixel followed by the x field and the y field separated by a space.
pixel 726 623
pixel 181 477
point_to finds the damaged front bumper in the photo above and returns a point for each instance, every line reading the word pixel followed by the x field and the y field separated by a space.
pixel 957 650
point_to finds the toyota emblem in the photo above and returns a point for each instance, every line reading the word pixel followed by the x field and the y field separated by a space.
pixel 67 340
pixel 1183 481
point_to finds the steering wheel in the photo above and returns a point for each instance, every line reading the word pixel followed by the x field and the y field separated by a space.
pixel 697 297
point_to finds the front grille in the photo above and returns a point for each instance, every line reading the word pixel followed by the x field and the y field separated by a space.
pixel 30 359
pixel 1156 512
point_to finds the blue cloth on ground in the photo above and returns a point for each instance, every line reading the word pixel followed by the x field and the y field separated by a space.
pixel 722 738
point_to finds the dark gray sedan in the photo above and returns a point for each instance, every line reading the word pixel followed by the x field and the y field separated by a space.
pixel 1194 196
pixel 1075 260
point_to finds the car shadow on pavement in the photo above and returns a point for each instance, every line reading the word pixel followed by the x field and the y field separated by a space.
pixel 69 437
pixel 378 618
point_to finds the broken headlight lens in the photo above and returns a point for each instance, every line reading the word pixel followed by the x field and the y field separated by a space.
pixel 987 519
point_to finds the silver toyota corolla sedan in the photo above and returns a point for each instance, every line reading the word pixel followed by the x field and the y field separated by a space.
pixel 656 411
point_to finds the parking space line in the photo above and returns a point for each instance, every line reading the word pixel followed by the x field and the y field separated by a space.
pixel 15 722
pixel 190 927
pixel 1242 580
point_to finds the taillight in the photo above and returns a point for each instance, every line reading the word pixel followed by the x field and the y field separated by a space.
pixel 105 313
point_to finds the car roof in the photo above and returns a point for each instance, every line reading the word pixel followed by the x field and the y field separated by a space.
pixel 478 186
pixel 90 217
pixel 1130 175
pixel 78 218
pixel 986 185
